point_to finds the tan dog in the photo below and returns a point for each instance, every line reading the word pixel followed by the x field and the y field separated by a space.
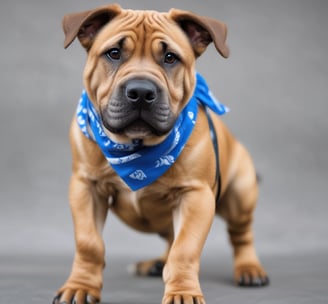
pixel 146 59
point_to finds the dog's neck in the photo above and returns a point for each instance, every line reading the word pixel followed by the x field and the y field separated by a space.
pixel 140 165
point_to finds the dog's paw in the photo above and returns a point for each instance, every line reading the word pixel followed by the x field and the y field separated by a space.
pixel 152 268
pixel 251 276
pixel 183 299
pixel 70 296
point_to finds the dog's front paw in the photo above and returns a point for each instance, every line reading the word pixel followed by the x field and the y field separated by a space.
pixel 74 296
pixel 251 275
pixel 183 299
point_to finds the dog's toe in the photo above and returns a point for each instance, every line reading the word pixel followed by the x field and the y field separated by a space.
pixel 183 299
pixel 74 297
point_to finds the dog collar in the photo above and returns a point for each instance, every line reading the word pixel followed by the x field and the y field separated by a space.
pixel 138 165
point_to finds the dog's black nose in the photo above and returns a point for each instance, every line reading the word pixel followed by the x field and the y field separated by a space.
pixel 141 91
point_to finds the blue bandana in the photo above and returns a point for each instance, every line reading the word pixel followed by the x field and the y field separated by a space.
pixel 139 165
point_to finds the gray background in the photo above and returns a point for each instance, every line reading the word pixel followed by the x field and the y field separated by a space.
pixel 276 84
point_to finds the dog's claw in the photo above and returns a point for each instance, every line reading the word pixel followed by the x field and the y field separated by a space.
pixel 181 299
pixel 88 300
pixel 251 276
pixel 56 299
pixel 265 281
pixel 248 281
pixel 91 300
pixel 152 268
pixel 156 270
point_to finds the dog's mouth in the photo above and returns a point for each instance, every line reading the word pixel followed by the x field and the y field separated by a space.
pixel 139 129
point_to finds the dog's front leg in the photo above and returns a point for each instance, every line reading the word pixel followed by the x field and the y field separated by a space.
pixel 89 212
pixel 192 220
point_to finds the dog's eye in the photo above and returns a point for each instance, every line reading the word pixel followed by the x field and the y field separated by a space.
pixel 171 58
pixel 113 54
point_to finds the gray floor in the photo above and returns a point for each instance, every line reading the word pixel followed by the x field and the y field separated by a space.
pixel 297 279
pixel 275 83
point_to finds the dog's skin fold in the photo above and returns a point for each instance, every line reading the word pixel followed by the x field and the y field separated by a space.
pixel 149 57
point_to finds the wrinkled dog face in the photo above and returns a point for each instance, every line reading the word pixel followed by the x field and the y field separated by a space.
pixel 138 75
pixel 140 67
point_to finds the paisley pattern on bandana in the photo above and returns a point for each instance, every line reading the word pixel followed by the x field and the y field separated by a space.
pixel 138 165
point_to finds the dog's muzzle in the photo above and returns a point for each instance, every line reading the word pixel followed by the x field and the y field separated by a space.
pixel 138 108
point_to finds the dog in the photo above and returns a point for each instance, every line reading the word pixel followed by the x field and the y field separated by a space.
pixel 147 145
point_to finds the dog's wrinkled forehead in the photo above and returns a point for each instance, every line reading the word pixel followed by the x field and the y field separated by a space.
pixel 200 31
pixel 141 28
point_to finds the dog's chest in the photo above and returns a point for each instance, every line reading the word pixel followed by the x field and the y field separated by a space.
pixel 145 210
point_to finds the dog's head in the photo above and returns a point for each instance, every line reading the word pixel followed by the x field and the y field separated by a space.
pixel 140 69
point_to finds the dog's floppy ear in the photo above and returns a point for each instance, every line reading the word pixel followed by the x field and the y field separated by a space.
pixel 202 31
pixel 86 25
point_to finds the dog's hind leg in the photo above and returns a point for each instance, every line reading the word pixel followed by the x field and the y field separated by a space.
pixel 236 207
pixel 153 267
